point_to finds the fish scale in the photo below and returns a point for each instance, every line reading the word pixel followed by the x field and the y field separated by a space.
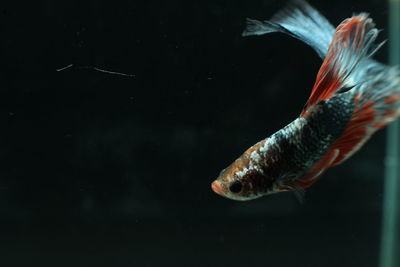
pixel 313 138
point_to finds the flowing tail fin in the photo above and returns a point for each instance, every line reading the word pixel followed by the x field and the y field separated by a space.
pixel 299 20
pixel 348 53
pixel 348 71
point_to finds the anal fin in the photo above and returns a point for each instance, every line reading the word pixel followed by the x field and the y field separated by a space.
pixel 318 169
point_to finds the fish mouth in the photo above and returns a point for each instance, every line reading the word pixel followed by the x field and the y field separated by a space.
pixel 217 188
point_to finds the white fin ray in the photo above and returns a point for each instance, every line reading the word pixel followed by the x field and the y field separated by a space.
pixel 299 20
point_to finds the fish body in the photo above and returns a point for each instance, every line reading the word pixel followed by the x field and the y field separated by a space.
pixel 353 96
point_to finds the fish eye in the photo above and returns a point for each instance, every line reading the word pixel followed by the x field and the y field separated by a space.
pixel 235 187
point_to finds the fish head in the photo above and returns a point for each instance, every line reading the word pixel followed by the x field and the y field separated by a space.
pixel 241 181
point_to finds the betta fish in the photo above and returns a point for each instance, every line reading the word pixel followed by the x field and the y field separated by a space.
pixel 353 96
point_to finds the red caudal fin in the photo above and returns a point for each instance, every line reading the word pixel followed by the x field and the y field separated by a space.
pixel 348 71
pixel 352 43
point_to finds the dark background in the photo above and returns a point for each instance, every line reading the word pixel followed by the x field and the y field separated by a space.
pixel 106 170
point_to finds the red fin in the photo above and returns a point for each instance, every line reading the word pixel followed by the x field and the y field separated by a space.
pixel 356 132
pixel 326 84
pixel 391 98
pixel 389 116
pixel 349 45
pixel 318 169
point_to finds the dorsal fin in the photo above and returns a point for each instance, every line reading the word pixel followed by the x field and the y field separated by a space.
pixel 299 20
pixel 352 43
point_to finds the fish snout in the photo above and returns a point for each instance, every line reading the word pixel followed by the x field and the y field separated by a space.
pixel 217 187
